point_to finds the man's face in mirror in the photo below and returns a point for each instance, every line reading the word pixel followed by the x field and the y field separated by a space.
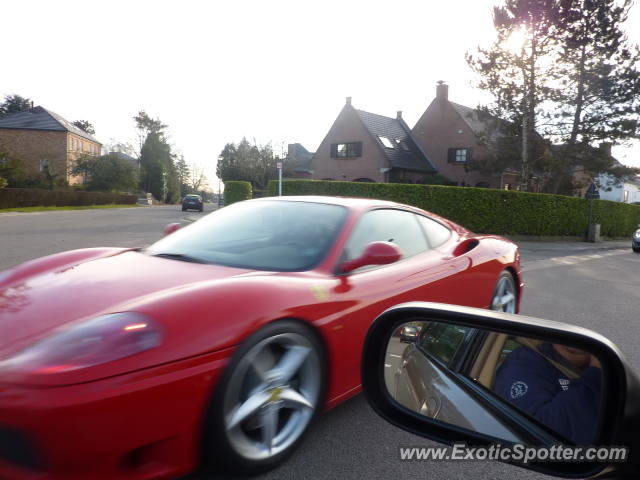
pixel 575 356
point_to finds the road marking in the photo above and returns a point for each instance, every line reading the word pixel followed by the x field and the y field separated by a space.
pixel 394 355
pixel 569 260
pixel 387 365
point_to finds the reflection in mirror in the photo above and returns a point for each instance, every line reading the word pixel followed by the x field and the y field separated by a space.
pixel 512 388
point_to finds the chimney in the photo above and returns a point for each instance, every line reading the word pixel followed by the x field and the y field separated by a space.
pixel 348 100
pixel 606 147
pixel 32 104
pixel 442 90
pixel 398 114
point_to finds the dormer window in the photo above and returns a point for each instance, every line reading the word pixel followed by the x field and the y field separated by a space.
pixel 386 142
pixel 402 145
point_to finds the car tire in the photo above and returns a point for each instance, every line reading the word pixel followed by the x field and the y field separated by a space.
pixel 184 209
pixel 278 375
pixel 505 294
pixel 636 249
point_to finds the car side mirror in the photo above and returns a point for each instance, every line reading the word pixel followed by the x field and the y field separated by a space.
pixel 376 253
pixel 170 228
pixel 508 382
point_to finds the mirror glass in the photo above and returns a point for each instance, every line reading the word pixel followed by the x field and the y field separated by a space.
pixel 512 388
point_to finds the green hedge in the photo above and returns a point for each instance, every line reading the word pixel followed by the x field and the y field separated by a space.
pixel 236 192
pixel 486 210
pixel 36 197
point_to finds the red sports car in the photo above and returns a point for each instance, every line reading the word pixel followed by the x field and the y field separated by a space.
pixel 222 341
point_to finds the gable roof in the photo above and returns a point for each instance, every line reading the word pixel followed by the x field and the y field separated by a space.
pixel 299 157
pixel 39 118
pixel 123 156
pixel 479 124
pixel 407 154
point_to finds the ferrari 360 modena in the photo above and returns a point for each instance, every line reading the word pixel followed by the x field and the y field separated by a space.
pixel 220 343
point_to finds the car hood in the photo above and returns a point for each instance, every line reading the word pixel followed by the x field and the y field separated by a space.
pixel 33 306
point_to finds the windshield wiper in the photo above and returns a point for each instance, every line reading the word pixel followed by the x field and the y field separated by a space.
pixel 179 256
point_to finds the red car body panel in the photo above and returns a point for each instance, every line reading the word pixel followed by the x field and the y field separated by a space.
pixel 139 417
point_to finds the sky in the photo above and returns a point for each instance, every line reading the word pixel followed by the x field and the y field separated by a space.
pixel 215 71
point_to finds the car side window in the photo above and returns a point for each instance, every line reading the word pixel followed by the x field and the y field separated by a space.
pixel 387 225
pixel 442 340
pixel 436 233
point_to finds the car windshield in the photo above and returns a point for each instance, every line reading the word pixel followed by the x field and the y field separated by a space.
pixel 275 235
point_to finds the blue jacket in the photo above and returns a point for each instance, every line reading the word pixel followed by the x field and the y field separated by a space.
pixel 536 386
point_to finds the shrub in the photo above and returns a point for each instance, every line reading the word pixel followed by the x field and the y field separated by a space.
pixel 235 191
pixel 486 210
pixel 35 197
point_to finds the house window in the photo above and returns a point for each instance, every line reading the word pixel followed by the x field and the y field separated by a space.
pixel 70 143
pixel 403 145
pixel 386 142
pixel 346 150
pixel 44 164
pixel 458 155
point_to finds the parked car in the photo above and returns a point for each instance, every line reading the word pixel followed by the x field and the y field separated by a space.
pixel 226 337
pixel 447 389
pixel 409 333
pixel 635 241
pixel 192 202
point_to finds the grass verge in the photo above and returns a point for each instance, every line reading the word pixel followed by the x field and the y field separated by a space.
pixel 46 209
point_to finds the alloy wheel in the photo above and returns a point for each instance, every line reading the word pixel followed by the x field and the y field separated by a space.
pixel 504 296
pixel 272 396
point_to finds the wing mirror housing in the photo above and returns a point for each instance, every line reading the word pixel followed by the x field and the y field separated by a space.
pixel 436 389
pixel 376 253
pixel 170 228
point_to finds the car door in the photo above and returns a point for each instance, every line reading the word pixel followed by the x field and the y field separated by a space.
pixel 423 273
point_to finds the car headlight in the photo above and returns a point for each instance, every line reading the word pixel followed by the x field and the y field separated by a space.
pixel 637 234
pixel 99 340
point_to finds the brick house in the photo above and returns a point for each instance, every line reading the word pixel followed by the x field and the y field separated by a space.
pixel 44 140
pixel 298 162
pixel 452 135
pixel 366 147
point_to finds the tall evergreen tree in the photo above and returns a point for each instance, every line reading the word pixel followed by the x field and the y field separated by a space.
pixel 14 104
pixel 600 96
pixel 86 126
pixel 517 71
pixel 155 158
pixel 158 175
pixel 184 175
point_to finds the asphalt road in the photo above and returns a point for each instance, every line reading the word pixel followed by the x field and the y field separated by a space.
pixel 595 286
pixel 24 236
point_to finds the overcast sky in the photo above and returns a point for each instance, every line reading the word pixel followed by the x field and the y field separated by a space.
pixel 215 71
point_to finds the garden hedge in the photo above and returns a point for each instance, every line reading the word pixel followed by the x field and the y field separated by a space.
pixel 236 192
pixel 36 197
pixel 485 210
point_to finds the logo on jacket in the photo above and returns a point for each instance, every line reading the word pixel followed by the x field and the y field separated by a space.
pixel 518 389
pixel 564 383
